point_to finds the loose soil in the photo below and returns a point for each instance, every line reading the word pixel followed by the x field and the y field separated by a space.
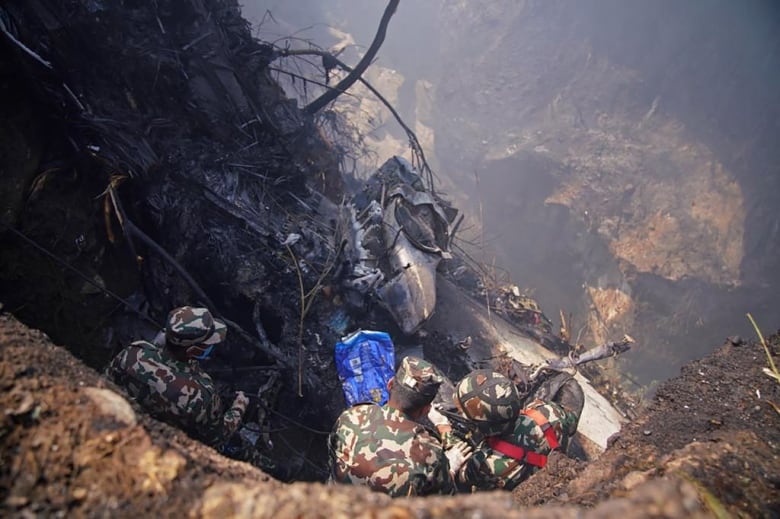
pixel 706 445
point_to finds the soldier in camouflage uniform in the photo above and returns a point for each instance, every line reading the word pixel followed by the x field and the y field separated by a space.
pixel 386 449
pixel 515 441
pixel 167 380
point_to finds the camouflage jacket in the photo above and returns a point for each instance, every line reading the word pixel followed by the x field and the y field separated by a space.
pixel 386 450
pixel 488 469
pixel 178 392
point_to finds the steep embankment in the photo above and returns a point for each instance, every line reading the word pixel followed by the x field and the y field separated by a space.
pixel 625 160
pixel 71 444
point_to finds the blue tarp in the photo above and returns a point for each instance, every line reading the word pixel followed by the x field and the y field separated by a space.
pixel 365 362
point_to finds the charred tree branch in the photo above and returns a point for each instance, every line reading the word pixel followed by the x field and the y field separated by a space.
pixel 131 229
pixel 303 316
pixel 27 50
pixel 322 101
pixel 302 78
pixel 414 143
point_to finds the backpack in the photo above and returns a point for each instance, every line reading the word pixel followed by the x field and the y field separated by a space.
pixel 365 362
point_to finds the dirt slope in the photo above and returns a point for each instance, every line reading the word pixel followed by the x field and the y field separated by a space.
pixel 707 444
pixel 713 426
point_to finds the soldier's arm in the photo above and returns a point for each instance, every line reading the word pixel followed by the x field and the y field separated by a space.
pixel 232 418
pixel 443 427
pixel 440 478
pixel 476 473
pixel 441 481
pixel 116 369
pixel 114 366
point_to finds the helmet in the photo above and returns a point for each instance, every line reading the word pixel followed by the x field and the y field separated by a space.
pixel 489 400
pixel 194 328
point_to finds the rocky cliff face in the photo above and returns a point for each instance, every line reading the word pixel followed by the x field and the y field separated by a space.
pixel 623 159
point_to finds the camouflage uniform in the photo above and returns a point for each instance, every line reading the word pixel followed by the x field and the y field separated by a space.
pixel 179 391
pixel 383 448
pixel 489 469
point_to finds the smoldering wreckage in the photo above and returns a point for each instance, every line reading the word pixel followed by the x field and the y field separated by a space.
pixel 152 160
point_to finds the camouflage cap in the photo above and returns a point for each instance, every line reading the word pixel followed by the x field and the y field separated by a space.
pixel 489 400
pixel 419 376
pixel 188 326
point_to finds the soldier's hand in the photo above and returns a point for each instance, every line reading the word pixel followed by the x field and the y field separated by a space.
pixel 439 421
pixel 436 418
pixel 241 399
pixel 457 455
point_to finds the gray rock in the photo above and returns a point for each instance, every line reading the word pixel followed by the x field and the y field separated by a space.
pixel 112 404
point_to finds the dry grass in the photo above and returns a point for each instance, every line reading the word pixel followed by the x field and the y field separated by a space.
pixel 771 371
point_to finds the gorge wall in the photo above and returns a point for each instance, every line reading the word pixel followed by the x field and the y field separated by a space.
pixel 618 159
pixel 625 159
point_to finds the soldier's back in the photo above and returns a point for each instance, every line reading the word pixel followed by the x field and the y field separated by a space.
pixel 387 451
pixel 172 390
pixel 489 468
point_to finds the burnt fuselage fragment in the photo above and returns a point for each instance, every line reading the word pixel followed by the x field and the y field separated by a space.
pixel 398 232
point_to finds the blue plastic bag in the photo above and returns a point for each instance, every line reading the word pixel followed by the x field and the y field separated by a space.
pixel 365 362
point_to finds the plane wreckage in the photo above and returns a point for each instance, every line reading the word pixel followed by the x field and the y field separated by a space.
pixel 400 232
pixel 162 165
